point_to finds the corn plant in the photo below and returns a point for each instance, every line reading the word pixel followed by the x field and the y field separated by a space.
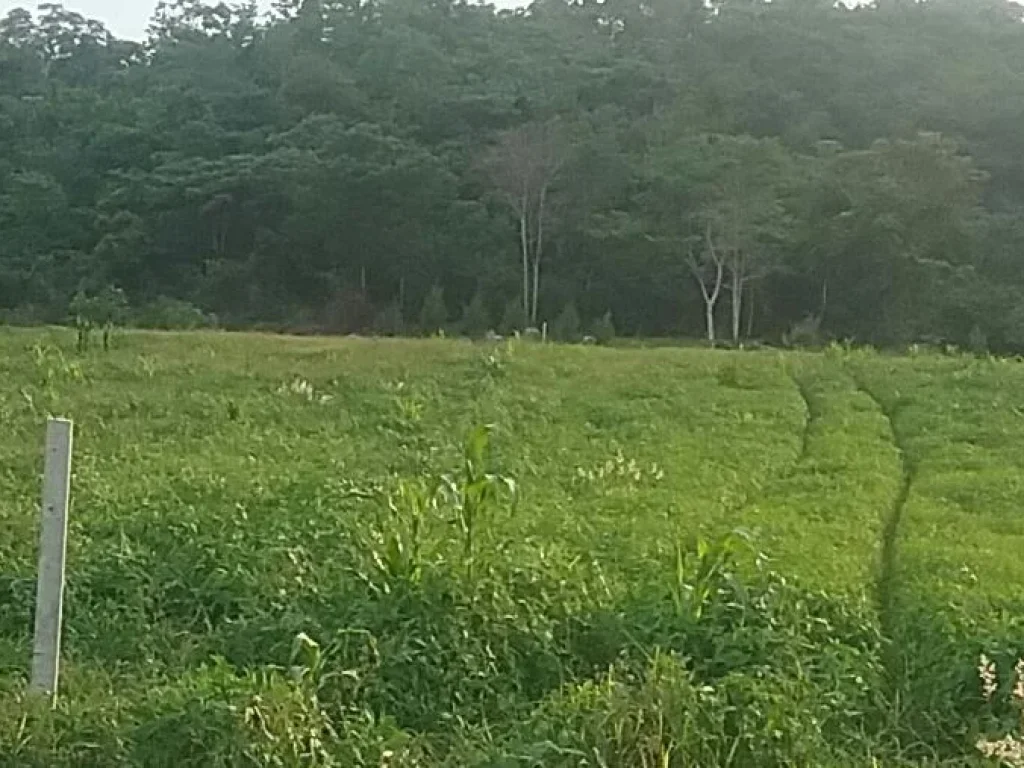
pixel 396 539
pixel 476 494
pixel 701 570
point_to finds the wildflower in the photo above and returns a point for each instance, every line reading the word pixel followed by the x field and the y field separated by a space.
pixel 1018 689
pixel 987 673
pixel 1008 751
pixel 303 389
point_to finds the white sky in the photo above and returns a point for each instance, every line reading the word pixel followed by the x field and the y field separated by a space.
pixel 128 18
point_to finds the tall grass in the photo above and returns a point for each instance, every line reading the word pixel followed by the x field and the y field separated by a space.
pixel 311 552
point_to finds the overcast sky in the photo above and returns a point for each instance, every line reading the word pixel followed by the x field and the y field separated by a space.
pixel 128 18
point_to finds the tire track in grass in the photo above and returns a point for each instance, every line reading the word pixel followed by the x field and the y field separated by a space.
pixel 812 416
pixel 703 416
pixel 788 471
pixel 819 515
pixel 888 573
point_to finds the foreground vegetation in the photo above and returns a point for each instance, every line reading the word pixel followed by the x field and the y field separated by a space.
pixel 435 553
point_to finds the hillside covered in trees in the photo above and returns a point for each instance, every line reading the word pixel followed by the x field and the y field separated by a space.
pixel 770 168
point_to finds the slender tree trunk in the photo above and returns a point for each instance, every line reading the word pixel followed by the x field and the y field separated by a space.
pixel 737 301
pixel 524 235
pixel 710 294
pixel 737 312
pixel 536 289
pixel 538 251
pixel 750 313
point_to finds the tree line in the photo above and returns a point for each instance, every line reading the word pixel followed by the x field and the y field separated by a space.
pixel 790 170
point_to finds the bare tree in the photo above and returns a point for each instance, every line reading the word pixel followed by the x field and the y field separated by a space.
pixel 744 268
pixel 709 272
pixel 731 190
pixel 737 264
pixel 744 215
pixel 524 166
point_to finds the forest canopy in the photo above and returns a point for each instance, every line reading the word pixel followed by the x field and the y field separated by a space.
pixel 783 170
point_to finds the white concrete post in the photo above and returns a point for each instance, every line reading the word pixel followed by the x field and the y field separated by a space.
pixel 52 552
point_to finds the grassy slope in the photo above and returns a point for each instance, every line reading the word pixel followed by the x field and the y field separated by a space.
pixel 218 513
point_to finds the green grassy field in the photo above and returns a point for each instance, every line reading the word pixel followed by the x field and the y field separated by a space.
pixel 434 553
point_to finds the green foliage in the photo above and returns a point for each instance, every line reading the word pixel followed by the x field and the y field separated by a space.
pixel 287 552
pixel 476 320
pixel 434 314
pixel 977 341
pixel 102 310
pixel 475 495
pixel 513 318
pixel 567 325
pixel 804 333
pixel 109 306
pixel 222 717
pixel 389 321
pixel 603 329
pixel 169 314
pixel 290 171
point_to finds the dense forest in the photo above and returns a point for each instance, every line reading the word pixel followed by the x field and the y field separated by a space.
pixel 791 169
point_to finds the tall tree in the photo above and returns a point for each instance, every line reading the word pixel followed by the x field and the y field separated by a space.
pixel 524 167
pixel 723 200
pixel 897 217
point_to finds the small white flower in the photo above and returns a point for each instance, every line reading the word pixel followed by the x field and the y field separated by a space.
pixel 1018 688
pixel 989 679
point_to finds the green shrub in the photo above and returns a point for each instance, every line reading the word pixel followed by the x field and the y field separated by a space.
pixel 977 341
pixel 514 318
pixel 804 333
pixel 103 310
pixel 389 321
pixel 603 329
pixel 434 314
pixel 664 715
pixel 347 311
pixel 476 320
pixel 218 716
pixel 567 325
pixel 167 314
pixel 108 306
